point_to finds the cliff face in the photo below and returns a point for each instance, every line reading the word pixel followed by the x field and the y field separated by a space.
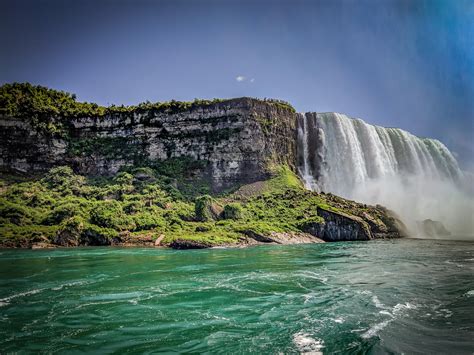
pixel 226 143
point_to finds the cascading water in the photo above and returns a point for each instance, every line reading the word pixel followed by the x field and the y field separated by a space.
pixel 417 177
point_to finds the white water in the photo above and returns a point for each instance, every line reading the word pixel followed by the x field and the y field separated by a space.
pixel 418 178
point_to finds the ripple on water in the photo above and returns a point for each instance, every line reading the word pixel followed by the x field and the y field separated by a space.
pixel 380 297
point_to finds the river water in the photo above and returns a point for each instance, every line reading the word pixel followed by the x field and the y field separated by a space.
pixel 400 296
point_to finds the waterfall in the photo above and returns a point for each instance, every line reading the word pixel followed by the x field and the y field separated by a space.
pixel 417 177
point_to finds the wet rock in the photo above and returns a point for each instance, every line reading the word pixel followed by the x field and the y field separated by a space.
pixel 338 226
pixel 189 244
pixel 67 238
pixel 93 238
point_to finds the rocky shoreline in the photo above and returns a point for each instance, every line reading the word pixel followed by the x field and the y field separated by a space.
pixel 183 244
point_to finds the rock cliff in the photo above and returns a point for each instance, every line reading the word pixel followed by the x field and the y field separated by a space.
pixel 225 143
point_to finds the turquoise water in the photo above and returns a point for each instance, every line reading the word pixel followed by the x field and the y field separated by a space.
pixel 410 296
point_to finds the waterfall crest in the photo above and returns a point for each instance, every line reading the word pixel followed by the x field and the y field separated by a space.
pixel 417 177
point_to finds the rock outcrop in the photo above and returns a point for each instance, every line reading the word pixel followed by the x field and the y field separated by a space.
pixel 338 226
pixel 282 237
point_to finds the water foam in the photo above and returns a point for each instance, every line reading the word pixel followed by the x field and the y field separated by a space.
pixel 395 312
pixel 307 344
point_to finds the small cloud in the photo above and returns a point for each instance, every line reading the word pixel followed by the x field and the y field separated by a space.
pixel 252 80
pixel 240 78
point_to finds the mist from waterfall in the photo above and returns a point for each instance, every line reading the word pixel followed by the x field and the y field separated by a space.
pixel 416 177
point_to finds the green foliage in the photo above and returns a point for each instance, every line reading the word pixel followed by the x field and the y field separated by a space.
pixel 105 146
pixel 124 179
pixel 147 221
pixel 233 211
pixel 63 179
pixel 74 225
pixel 43 107
pixel 110 214
pixel 14 213
pixel 143 203
pixel 62 212
pixel 203 208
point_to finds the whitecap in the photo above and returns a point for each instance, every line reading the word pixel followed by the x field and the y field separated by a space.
pixel 396 311
pixel 387 313
pixel 400 307
pixel 470 293
pixel 377 302
pixel 307 345
pixel 373 331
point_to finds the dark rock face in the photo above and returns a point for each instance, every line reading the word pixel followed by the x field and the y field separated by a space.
pixel 233 141
pixel 71 238
pixel 338 226
pixel 188 244
pixel 314 141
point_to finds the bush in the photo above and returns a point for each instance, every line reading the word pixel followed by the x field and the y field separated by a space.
pixel 203 208
pixel 62 212
pixel 124 178
pixel 59 176
pixel 233 211
pixel 63 179
pixel 109 214
pixel 146 221
pixel 15 213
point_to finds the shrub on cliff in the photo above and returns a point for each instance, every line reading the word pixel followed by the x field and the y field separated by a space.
pixel 109 214
pixel 233 211
pixel 15 213
pixel 62 212
pixel 64 180
pixel 207 209
pixel 147 221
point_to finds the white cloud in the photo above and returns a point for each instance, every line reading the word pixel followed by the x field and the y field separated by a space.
pixel 252 80
pixel 240 78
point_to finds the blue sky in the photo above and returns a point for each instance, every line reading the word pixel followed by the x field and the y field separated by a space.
pixel 407 63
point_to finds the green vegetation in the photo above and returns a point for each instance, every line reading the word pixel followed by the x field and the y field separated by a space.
pixel 203 209
pixel 140 205
pixel 233 211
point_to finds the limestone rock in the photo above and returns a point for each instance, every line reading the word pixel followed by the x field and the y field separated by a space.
pixel 338 226
pixel 233 141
